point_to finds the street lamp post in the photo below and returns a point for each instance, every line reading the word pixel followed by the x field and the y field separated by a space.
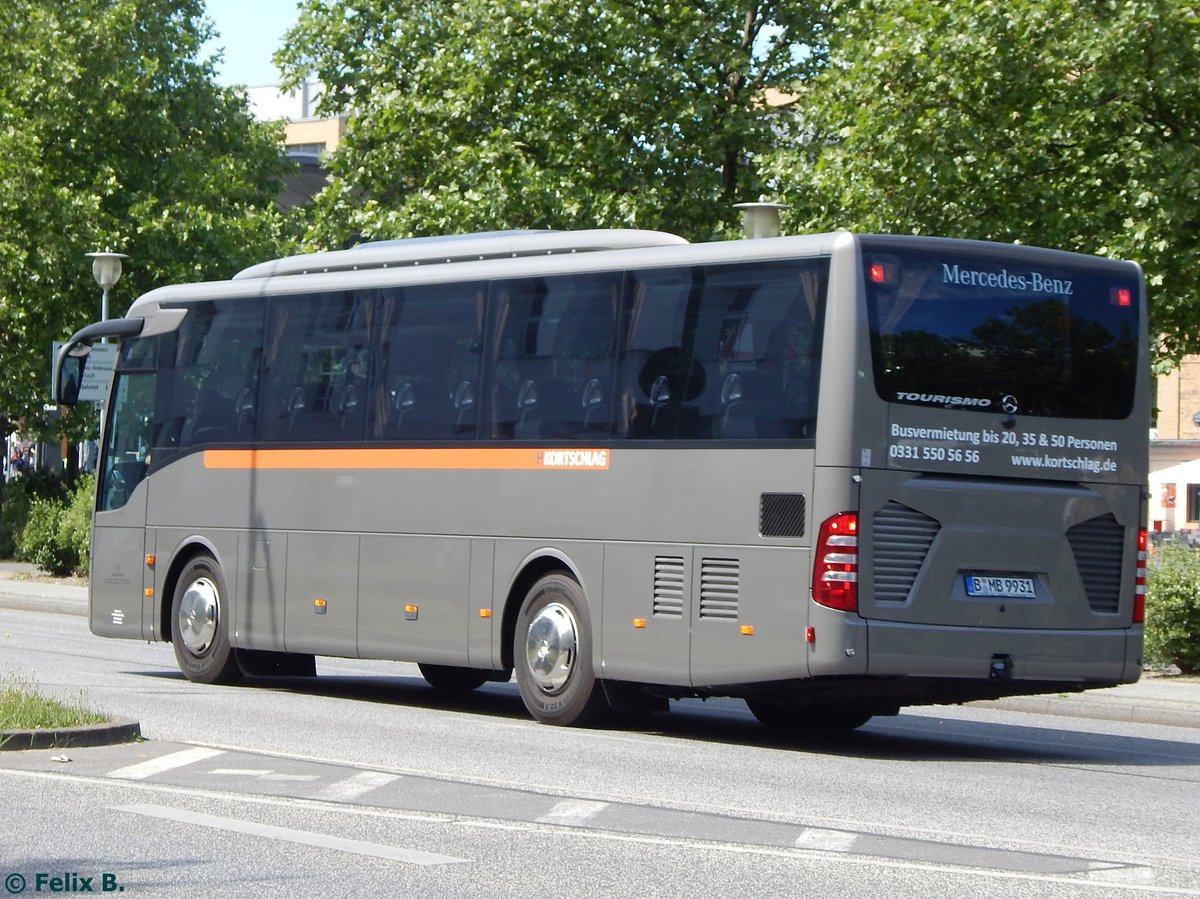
pixel 106 269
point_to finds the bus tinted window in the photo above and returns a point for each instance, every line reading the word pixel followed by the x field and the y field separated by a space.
pixel 208 386
pixel 974 333
pixel 554 345
pixel 317 368
pixel 429 362
pixel 724 352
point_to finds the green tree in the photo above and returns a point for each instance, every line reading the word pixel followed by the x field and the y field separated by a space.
pixel 1067 123
pixel 115 133
pixel 484 114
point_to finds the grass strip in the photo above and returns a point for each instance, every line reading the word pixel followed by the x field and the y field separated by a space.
pixel 23 708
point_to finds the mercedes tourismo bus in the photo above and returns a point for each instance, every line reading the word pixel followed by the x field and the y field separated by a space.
pixel 833 475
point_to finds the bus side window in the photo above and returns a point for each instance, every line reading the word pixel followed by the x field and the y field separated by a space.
pixel 318 368
pixel 429 361
pixel 208 382
pixel 723 352
pixel 552 371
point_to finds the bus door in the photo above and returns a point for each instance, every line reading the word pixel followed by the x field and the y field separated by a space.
pixel 120 577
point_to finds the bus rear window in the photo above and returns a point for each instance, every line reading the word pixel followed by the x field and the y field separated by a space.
pixel 1013 336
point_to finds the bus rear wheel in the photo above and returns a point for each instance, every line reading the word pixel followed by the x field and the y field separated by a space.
pixel 199 625
pixel 552 655
pixel 800 721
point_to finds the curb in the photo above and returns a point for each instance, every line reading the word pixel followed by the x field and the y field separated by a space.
pixel 1145 712
pixel 118 730
pixel 38 604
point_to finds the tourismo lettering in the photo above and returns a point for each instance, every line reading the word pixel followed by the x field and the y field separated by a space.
pixel 941 400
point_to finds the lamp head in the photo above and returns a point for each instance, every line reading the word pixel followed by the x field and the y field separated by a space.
pixel 106 268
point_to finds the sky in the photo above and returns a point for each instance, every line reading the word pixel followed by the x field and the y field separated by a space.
pixel 250 32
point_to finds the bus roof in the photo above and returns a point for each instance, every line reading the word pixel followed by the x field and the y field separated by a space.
pixel 459 248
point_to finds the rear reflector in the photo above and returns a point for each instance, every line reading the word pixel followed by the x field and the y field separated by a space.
pixel 835 566
pixel 1139 594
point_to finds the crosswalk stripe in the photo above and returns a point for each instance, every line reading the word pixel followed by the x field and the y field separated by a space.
pixel 572 811
pixel 354 786
pixel 168 762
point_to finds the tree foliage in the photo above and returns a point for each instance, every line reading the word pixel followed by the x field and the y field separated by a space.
pixel 485 114
pixel 116 135
pixel 1067 123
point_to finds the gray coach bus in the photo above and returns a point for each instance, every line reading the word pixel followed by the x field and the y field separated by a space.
pixel 833 475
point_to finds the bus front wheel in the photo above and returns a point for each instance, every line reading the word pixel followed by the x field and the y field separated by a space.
pixel 552 655
pixel 199 625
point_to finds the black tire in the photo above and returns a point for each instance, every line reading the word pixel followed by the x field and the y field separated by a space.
pixel 199 624
pixel 451 679
pixel 265 663
pixel 552 655
pixel 807 721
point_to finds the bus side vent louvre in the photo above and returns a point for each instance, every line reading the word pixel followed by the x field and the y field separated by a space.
pixel 719 588
pixel 901 543
pixel 1099 546
pixel 781 515
pixel 668 586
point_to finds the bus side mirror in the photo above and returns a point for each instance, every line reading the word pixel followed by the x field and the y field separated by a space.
pixel 69 374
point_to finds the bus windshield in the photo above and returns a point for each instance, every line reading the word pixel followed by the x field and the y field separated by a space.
pixel 951 329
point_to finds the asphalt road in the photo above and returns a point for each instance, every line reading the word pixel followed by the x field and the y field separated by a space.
pixel 367 782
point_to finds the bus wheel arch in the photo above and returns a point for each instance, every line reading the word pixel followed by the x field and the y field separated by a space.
pixel 531 570
pixel 181 559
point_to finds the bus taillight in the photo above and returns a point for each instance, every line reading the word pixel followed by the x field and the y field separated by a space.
pixel 835 569
pixel 1139 595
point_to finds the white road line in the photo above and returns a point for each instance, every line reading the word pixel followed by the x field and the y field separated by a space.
pixel 572 811
pixel 262 774
pixel 286 834
pixel 142 770
pixel 826 840
pixel 354 786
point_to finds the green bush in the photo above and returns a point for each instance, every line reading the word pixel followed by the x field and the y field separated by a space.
pixel 1173 608
pixel 18 493
pixel 75 526
pixel 57 532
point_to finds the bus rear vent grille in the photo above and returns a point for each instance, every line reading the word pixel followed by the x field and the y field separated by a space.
pixel 902 540
pixel 1099 546
pixel 719 588
pixel 668 586
pixel 781 515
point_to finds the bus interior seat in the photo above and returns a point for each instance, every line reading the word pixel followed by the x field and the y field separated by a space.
pixel 752 403
pixel 667 386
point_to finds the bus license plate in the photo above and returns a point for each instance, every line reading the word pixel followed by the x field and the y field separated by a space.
pixel 1005 587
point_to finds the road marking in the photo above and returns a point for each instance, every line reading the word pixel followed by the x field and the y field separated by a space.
pixel 355 786
pixel 288 835
pixel 263 774
pixel 184 757
pixel 572 811
pixel 826 840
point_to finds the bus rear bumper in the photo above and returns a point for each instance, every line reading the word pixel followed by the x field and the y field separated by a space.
pixel 1070 657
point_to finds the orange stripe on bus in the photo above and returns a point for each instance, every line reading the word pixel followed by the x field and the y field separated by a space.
pixel 457 459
